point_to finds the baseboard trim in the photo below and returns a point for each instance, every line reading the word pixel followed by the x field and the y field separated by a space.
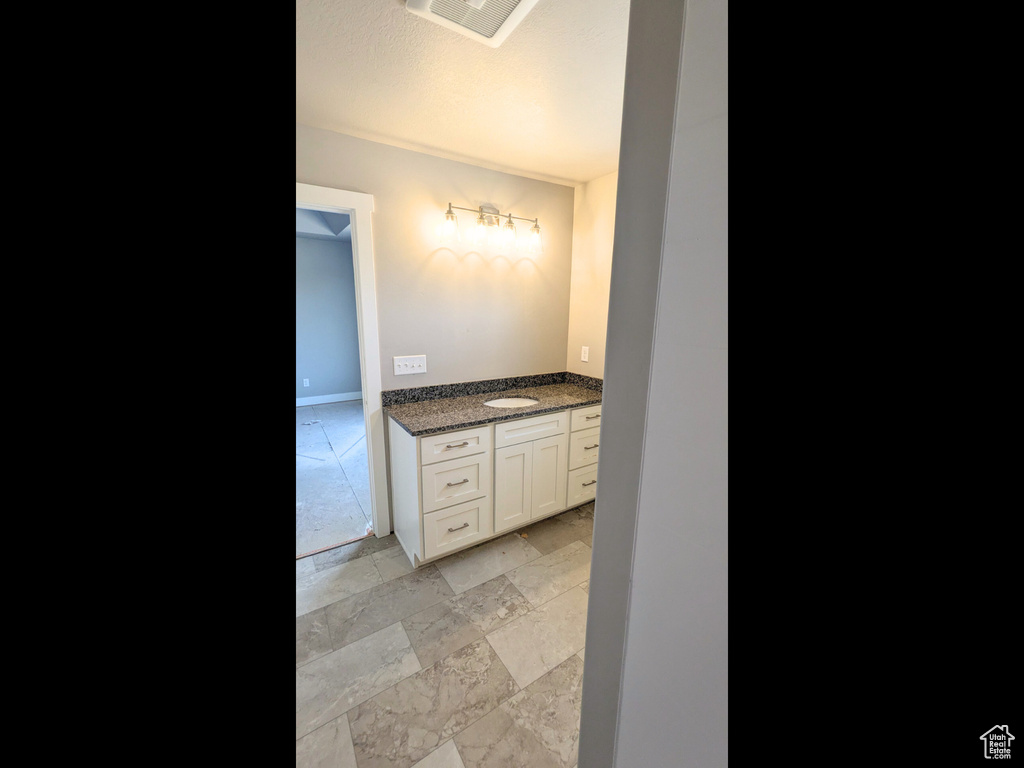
pixel 339 397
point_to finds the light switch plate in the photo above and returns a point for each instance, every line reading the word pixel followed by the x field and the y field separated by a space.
pixel 410 364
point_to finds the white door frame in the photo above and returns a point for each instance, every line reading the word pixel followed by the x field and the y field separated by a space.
pixel 359 207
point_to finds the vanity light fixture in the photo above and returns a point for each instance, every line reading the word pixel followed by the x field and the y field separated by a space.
pixel 488 227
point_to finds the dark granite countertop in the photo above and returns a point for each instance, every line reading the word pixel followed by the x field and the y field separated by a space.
pixel 446 414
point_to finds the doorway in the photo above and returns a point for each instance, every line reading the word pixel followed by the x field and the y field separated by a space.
pixel 358 207
pixel 332 505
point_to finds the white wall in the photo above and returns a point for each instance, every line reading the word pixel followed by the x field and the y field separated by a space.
pixel 326 333
pixel 656 686
pixel 593 230
pixel 475 316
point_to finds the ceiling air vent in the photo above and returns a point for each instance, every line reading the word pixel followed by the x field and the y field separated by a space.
pixel 486 21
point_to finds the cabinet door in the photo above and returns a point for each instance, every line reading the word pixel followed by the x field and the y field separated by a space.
pixel 550 475
pixel 513 483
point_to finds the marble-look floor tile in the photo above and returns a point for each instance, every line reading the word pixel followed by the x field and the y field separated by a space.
pixel 538 727
pixel 403 724
pixel 392 563
pixel 458 621
pixel 445 756
pixel 325 587
pixel 362 614
pixel 312 640
pixel 582 520
pixel 331 685
pixel 551 534
pixel 551 575
pixel 361 548
pixel 471 567
pixel 329 746
pixel 304 566
pixel 542 639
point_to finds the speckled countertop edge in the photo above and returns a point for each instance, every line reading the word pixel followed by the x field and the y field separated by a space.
pixel 428 417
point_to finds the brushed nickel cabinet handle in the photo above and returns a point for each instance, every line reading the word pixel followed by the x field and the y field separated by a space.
pixel 452 485
pixel 460 445
pixel 588 447
pixel 590 483
pixel 464 525
pixel 588 418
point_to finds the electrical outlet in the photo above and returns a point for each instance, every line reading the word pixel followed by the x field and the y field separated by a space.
pixel 410 364
pixel 585 355
pixel 305 382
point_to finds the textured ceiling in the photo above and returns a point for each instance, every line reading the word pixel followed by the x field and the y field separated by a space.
pixel 546 103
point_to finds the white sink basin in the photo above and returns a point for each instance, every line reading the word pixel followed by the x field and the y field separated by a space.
pixel 511 402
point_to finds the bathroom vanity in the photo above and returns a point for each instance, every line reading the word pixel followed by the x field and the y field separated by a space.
pixel 463 471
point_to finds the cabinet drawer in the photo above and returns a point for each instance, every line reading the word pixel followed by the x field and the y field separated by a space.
pixel 533 428
pixel 450 482
pixel 583 447
pixel 582 485
pixel 455 527
pixel 586 417
pixel 451 445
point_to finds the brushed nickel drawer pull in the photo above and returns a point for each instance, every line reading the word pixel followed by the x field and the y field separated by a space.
pixel 588 447
pixel 460 445
pixel 452 485
pixel 588 418
pixel 590 483
pixel 466 525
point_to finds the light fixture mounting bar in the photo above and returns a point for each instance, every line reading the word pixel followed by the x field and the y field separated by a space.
pixel 490 212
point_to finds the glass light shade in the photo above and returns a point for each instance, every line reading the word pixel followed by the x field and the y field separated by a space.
pixel 479 235
pixel 508 233
pixel 533 243
pixel 494 235
pixel 448 230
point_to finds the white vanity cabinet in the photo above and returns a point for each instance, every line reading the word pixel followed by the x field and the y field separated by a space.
pixel 530 469
pixel 584 446
pixel 441 490
pixel 452 490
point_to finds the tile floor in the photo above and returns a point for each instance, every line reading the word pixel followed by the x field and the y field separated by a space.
pixel 473 661
pixel 332 479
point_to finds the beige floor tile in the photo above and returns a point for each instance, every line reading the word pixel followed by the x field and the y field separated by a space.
pixel 304 567
pixel 331 685
pixel 373 609
pixel 312 640
pixel 403 724
pixel 445 756
pixel 554 573
pixel 392 563
pixel 329 746
pixel 325 587
pixel 459 620
pixel 538 727
pixel 542 639
pixel 551 534
pixel 469 568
